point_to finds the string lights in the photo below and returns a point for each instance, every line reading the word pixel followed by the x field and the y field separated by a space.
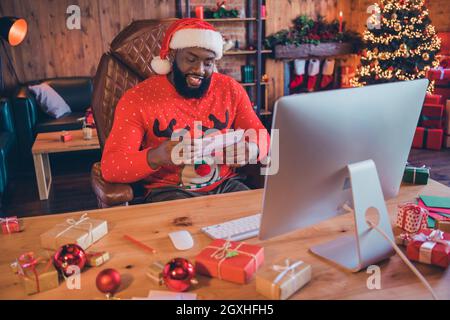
pixel 404 47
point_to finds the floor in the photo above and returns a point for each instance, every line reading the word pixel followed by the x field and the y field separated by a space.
pixel 71 189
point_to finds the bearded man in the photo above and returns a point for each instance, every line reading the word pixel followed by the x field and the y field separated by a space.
pixel 186 96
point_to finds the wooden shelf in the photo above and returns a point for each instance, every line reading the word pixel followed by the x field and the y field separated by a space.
pixel 244 52
pixel 252 84
pixel 231 19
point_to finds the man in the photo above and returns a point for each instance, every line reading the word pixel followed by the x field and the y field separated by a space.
pixel 185 98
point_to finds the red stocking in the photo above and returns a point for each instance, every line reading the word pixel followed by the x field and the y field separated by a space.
pixel 313 72
pixel 327 73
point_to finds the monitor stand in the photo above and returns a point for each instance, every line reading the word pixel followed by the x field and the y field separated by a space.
pixel 368 246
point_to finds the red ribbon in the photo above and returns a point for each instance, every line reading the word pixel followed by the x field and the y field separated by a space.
pixel 29 261
pixel 10 220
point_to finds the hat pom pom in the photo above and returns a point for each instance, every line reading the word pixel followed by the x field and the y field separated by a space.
pixel 160 66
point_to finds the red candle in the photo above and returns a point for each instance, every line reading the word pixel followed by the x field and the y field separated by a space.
pixel 263 11
pixel 340 21
pixel 199 12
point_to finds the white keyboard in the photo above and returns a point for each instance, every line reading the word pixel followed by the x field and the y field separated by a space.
pixel 235 230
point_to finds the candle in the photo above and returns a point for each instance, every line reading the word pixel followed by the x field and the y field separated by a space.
pixel 340 21
pixel 199 12
pixel 263 11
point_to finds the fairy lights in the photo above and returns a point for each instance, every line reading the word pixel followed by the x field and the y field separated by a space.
pixel 403 48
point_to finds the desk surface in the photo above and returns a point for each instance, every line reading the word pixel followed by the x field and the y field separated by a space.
pixel 151 223
pixel 50 142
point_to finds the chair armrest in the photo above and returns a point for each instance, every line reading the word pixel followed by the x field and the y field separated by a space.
pixel 109 194
pixel 6 118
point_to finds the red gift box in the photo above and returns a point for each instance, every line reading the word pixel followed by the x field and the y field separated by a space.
pixel 230 260
pixel 411 217
pixel 433 98
pixel 440 74
pixel 65 136
pixel 432 116
pixel 428 138
pixel 10 225
pixel 430 247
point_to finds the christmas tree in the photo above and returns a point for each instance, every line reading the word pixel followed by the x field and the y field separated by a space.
pixel 400 43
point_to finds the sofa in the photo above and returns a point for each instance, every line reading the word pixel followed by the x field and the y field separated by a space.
pixel 7 144
pixel 30 120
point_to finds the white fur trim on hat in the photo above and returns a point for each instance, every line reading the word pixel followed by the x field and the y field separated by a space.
pixel 160 66
pixel 201 38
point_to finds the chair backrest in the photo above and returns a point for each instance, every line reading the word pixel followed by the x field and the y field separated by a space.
pixel 125 65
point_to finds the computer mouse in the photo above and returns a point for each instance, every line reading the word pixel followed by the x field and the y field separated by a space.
pixel 182 240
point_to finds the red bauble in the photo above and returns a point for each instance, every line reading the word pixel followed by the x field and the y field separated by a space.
pixel 178 274
pixel 108 281
pixel 69 255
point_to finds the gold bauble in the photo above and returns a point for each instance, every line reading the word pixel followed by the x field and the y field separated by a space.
pixel 426 56
pixel 403 47
pixel 375 50
pixel 394 16
pixel 406 55
pixel 411 27
pixel 397 27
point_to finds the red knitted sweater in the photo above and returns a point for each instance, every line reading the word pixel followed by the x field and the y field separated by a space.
pixel 148 113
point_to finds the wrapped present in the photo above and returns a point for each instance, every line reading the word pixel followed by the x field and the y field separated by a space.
pixel 83 232
pixel 439 74
pixel 432 116
pixel 280 281
pixel 447 118
pixel 96 259
pixel 428 138
pixel 403 239
pixel 446 143
pixel 430 247
pixel 66 136
pixel 443 225
pixel 347 74
pixel 37 274
pixel 11 225
pixel 155 272
pixel 433 98
pixel 230 260
pixel 411 217
pixel 416 175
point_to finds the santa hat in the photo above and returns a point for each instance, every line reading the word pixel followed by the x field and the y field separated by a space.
pixel 187 33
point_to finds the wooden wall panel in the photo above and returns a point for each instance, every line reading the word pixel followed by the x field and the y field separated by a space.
pixel 51 50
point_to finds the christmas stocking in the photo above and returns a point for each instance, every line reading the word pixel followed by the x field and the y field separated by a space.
pixel 313 72
pixel 299 70
pixel 327 73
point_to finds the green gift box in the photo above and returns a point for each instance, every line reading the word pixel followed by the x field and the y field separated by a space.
pixel 416 175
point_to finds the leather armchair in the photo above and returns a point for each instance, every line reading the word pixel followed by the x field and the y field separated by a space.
pixel 7 144
pixel 126 64
pixel 30 120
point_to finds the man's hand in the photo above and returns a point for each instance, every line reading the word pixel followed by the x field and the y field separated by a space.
pixel 174 153
pixel 238 154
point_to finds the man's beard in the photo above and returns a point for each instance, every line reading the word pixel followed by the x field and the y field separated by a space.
pixel 182 87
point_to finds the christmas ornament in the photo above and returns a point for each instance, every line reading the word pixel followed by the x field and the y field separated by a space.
pixel 108 281
pixel 394 16
pixel 69 255
pixel 178 274
pixel 202 169
pixel 411 27
pixel 403 47
pixel 397 27
pixel 426 56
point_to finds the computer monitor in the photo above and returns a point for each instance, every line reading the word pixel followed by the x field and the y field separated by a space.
pixel 320 135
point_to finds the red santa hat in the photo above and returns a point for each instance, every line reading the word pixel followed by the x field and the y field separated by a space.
pixel 187 33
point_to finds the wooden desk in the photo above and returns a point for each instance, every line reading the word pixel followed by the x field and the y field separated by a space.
pixel 151 223
pixel 50 142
